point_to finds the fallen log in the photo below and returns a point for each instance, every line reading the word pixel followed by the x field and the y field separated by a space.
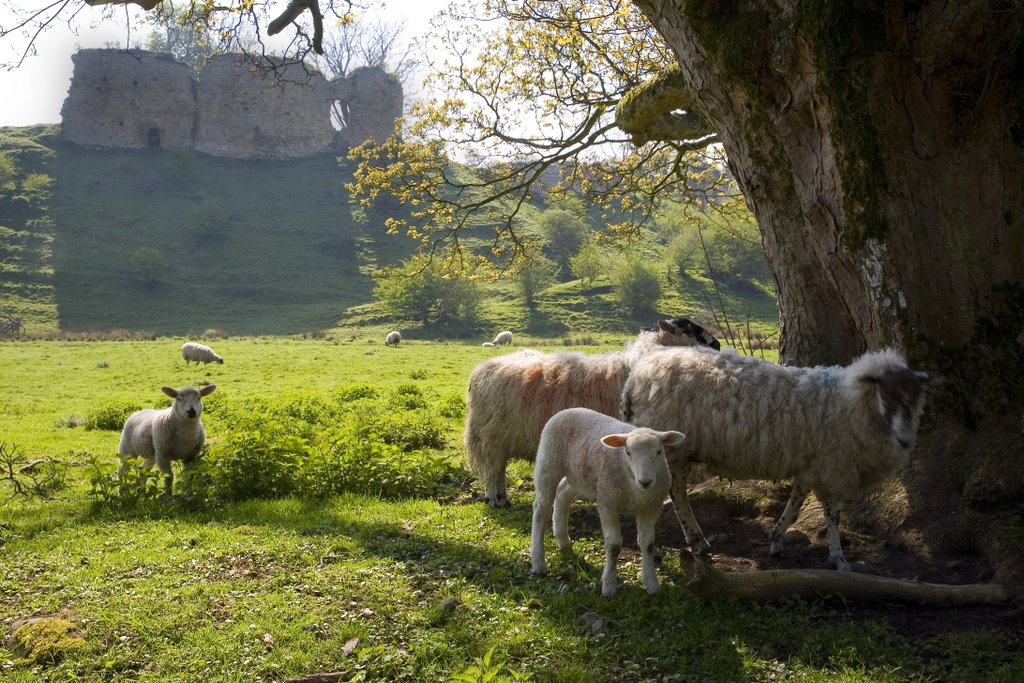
pixel 706 581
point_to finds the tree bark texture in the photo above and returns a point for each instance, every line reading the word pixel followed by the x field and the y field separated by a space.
pixel 881 147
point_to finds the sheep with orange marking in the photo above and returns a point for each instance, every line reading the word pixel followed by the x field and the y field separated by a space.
pixel 510 397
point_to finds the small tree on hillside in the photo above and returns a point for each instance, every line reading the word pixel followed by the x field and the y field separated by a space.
pixel 565 233
pixel 148 265
pixel 534 277
pixel 429 295
pixel 636 287
pixel 588 264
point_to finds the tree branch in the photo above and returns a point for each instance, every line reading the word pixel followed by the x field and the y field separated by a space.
pixel 653 111
pixel 291 13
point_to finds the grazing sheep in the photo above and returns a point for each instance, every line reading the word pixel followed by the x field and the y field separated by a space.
pixel 160 436
pixel 839 432
pixel 200 353
pixel 510 397
pixel 393 338
pixel 584 454
pixel 503 339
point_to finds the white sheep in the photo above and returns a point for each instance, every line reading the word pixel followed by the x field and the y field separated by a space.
pixel 503 339
pixel 510 397
pixel 162 436
pixel 200 353
pixel 393 338
pixel 839 432
pixel 584 454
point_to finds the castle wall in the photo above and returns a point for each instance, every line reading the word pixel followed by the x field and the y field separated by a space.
pixel 140 99
pixel 129 99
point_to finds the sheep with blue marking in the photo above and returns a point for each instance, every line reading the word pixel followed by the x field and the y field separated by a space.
pixel 163 436
pixel 584 454
pixel 510 397
pixel 840 432
pixel 200 353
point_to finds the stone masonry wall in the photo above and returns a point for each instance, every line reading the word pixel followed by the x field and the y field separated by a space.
pixel 144 99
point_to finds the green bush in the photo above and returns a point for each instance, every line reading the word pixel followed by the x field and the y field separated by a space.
pixel 636 287
pixel 110 416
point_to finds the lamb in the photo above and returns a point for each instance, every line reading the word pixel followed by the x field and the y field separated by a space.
pixel 200 353
pixel 839 432
pixel 509 398
pixel 503 339
pixel 161 436
pixel 393 338
pixel 585 454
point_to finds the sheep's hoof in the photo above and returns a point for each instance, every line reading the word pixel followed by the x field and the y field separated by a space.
pixel 499 502
pixel 841 564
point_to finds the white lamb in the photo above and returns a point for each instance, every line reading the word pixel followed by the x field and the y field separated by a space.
pixel 162 436
pixel 510 397
pixel 200 353
pixel 584 454
pixel 393 338
pixel 503 339
pixel 839 432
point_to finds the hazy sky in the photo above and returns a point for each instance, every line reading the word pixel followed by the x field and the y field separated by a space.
pixel 34 92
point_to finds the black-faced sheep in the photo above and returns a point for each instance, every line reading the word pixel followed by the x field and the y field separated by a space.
pixel 162 436
pixel 502 339
pixel 510 397
pixel 200 353
pixel 393 338
pixel 584 454
pixel 839 432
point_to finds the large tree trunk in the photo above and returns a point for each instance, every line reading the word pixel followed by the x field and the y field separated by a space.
pixel 881 147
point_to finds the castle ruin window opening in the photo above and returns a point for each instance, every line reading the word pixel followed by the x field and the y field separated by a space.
pixel 341 115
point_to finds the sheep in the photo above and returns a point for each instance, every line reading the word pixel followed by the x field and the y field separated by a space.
pixel 393 338
pixel 161 436
pixel 839 432
pixel 510 397
pixel 584 454
pixel 503 339
pixel 200 353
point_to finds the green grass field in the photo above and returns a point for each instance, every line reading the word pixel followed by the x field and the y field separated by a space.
pixel 420 588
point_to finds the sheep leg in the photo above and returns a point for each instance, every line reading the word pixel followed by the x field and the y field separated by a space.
pixel 612 530
pixel 564 498
pixel 543 504
pixel 681 504
pixel 835 543
pixel 495 487
pixel 645 540
pixel 789 515
pixel 164 465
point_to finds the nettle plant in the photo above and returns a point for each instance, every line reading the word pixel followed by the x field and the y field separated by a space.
pixel 361 439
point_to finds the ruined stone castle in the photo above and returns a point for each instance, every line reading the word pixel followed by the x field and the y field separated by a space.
pixel 141 99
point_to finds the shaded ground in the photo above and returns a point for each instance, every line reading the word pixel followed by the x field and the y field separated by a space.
pixel 737 517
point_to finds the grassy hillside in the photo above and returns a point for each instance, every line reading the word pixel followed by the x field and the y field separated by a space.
pixel 171 242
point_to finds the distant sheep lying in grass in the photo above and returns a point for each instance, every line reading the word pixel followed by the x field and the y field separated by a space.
pixel 200 353
pixel 162 436
pixel 510 397
pixel 839 432
pixel 592 456
pixel 393 338
pixel 503 339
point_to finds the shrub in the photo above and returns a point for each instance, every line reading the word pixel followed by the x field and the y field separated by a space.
pixel 636 287
pixel 148 265
pixel 110 416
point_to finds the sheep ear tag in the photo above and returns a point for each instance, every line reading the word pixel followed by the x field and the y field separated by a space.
pixel 614 440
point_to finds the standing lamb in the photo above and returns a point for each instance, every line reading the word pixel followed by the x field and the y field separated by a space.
pixel 510 397
pixel 200 353
pixel 161 436
pixel 839 432
pixel 393 338
pixel 503 339
pixel 584 454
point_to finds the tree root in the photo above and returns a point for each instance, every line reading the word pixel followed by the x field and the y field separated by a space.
pixel 705 581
